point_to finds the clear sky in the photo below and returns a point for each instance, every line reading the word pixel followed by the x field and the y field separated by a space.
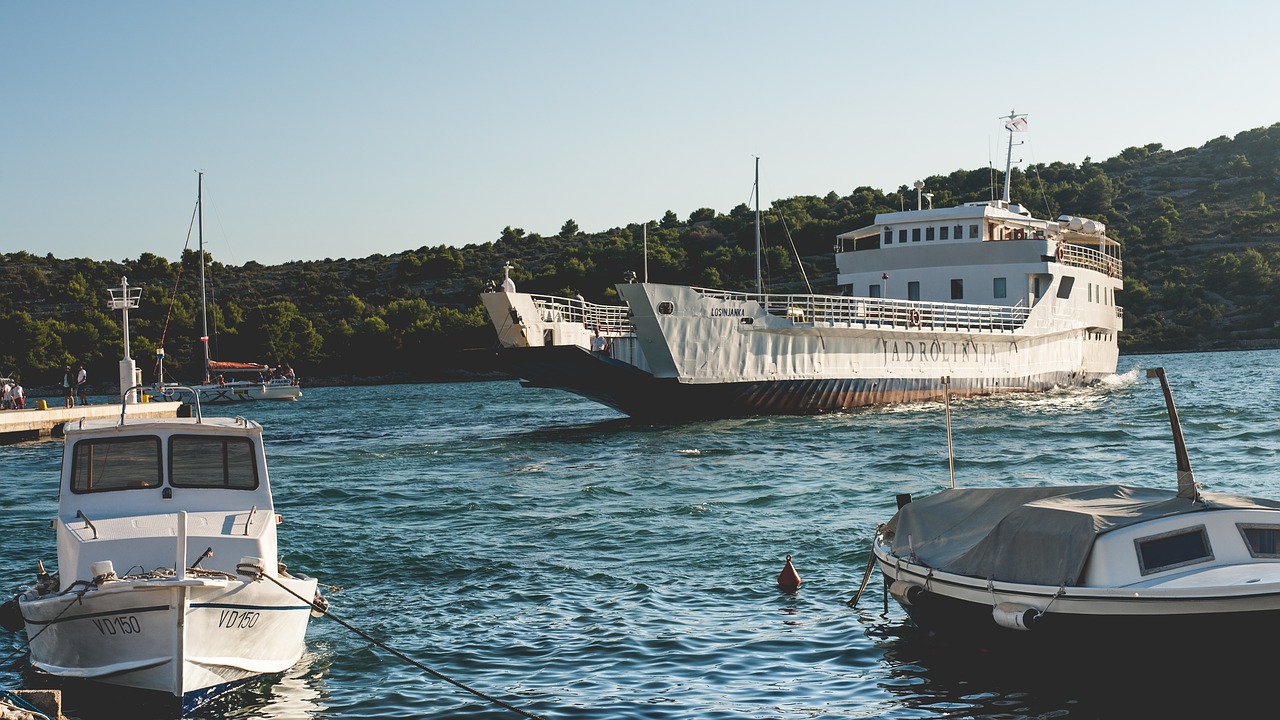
pixel 343 129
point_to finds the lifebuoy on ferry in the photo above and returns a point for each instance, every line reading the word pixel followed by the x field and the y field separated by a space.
pixel 1059 254
pixel 915 317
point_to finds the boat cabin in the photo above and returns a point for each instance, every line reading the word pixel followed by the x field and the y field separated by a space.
pixel 989 253
pixel 163 494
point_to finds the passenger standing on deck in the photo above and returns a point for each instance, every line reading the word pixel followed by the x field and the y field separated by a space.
pixel 82 384
pixel 68 388
pixel 19 396
pixel 6 400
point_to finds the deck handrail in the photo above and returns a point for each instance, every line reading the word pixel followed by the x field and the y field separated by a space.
pixel 841 310
pixel 611 319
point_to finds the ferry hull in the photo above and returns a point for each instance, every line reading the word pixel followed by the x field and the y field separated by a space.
pixel 641 395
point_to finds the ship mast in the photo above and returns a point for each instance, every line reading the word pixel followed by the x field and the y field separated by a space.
pixel 204 310
pixel 1013 125
pixel 759 282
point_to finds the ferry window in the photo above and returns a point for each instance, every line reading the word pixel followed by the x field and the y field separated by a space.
pixel 1064 287
pixel 873 291
pixel 973 232
pixel 915 234
pixel 944 232
pixel 959 232
pixel 1263 540
pixel 212 462
pixel 902 235
pixel 1170 550
pixel 888 236
pixel 913 290
pixel 928 233
pixel 1036 287
pixel 999 288
pixel 115 464
pixel 957 289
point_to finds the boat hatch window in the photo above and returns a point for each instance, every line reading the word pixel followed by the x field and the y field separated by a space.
pixel 666 307
pixel 212 462
pixel 1166 551
pixel 1263 540
pixel 116 464
pixel 1064 287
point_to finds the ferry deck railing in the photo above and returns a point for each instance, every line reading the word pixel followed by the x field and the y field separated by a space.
pixel 612 320
pixel 1089 258
pixel 843 311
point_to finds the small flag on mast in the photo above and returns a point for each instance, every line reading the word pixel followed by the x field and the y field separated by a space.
pixel 1017 125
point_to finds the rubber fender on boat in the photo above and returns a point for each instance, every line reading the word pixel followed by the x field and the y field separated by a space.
pixel 907 594
pixel 1014 616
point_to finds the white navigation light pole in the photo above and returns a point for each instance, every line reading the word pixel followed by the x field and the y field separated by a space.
pixel 123 298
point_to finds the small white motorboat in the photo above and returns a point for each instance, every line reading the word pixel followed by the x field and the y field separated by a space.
pixel 168 576
pixel 1099 568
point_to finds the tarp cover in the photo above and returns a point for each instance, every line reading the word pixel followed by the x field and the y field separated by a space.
pixel 1033 535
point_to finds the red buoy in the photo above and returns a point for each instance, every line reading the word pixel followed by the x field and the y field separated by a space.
pixel 788 579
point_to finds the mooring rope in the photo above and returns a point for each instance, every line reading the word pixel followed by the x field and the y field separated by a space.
pixel 27 643
pixel 257 574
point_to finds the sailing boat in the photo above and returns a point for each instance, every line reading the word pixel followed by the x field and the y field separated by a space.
pixel 226 382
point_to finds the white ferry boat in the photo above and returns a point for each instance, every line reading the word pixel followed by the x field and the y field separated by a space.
pixel 985 293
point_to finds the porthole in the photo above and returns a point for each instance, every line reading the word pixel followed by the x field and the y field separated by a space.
pixel 666 307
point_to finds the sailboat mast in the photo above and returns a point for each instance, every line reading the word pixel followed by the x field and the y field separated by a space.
pixel 759 282
pixel 204 310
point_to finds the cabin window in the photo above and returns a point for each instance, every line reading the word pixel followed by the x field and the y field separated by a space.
pixel 944 232
pixel 902 235
pixel 873 291
pixel 957 289
pixel 973 232
pixel 959 232
pixel 1263 540
pixel 888 236
pixel 999 288
pixel 212 462
pixel 116 464
pixel 913 290
pixel 1179 548
pixel 666 307
pixel 915 234
pixel 928 233
pixel 1064 287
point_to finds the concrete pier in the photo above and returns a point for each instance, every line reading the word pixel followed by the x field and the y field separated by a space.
pixel 35 423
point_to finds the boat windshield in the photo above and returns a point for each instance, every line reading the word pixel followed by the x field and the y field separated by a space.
pixel 212 462
pixel 116 464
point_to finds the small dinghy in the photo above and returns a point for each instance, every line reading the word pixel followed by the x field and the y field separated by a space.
pixel 168 578
pixel 1099 568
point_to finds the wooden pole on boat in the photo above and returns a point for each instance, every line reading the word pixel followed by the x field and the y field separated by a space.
pixel 946 402
pixel 1186 478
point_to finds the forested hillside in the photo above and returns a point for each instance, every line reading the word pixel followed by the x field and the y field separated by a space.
pixel 1200 229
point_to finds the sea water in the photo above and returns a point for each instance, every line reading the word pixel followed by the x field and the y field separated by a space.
pixel 550 553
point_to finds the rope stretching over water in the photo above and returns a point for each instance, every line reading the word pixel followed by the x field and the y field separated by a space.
pixel 325 611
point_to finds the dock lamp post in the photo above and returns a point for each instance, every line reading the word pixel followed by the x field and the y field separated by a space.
pixel 123 299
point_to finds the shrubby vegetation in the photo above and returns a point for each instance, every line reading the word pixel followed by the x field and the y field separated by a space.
pixel 1200 228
